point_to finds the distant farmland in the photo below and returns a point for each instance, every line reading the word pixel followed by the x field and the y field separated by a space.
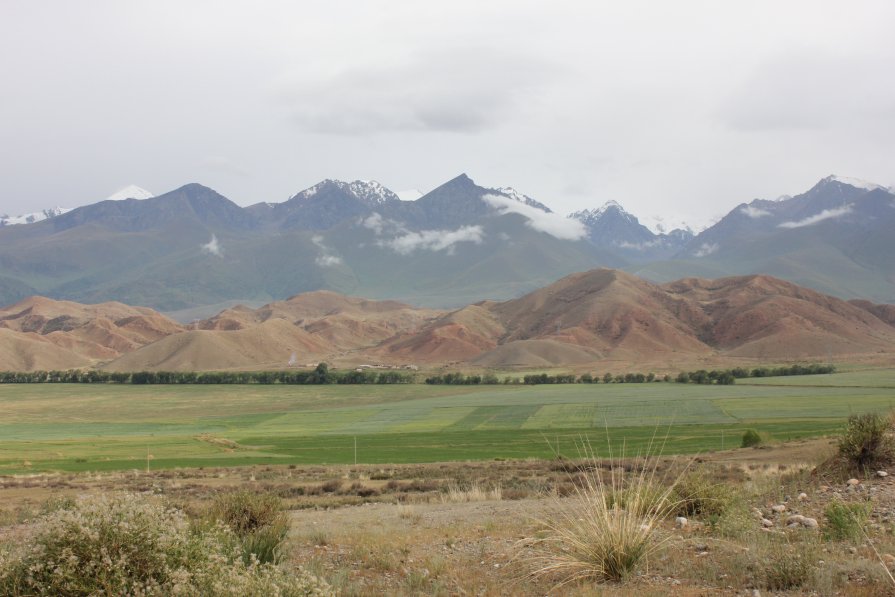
pixel 109 427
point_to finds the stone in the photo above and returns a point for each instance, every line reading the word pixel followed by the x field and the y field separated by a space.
pixel 701 547
pixel 888 559
pixel 852 482
pixel 810 523
pixel 803 496
pixel 882 474
pixel 756 593
pixel 779 508
pixel 795 518
pixel 681 522
pixel 767 523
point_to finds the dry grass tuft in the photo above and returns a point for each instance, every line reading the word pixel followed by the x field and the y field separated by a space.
pixel 607 528
pixel 475 492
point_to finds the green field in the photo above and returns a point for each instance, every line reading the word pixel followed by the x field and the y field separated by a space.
pixel 113 427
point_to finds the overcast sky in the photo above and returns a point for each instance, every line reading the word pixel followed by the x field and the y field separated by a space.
pixel 670 108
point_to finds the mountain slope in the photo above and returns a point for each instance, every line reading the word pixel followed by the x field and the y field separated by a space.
pixel 835 238
pixel 607 314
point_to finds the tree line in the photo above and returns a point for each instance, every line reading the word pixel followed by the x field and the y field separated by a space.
pixel 320 375
pixel 701 376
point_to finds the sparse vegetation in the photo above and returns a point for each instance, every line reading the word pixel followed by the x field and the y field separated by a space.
pixel 130 544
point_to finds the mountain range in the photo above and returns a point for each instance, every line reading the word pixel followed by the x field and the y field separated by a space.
pixel 601 317
pixel 191 252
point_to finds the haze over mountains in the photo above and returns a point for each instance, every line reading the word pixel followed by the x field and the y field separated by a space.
pixel 457 244
pixel 599 316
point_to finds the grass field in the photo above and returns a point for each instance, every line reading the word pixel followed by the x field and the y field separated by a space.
pixel 112 427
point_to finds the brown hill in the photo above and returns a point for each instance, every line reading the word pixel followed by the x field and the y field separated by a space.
pixel 601 315
pixel 306 328
pixel 85 334
pixel 608 314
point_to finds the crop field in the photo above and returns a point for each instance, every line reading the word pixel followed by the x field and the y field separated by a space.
pixel 73 427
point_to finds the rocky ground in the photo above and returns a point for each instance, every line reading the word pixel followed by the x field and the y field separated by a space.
pixel 463 528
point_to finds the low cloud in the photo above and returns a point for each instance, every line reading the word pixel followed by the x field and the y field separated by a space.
pixel 213 247
pixel 640 246
pixel 827 214
pixel 326 258
pixel 706 249
pixel 754 212
pixel 374 222
pixel 433 240
pixel 550 223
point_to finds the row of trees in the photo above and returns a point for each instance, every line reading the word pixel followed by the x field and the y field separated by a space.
pixel 701 376
pixel 729 376
pixel 321 375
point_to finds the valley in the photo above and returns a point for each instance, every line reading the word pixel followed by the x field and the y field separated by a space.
pixel 90 427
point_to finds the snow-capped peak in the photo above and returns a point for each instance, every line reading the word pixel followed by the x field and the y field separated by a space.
pixel 521 198
pixel 368 191
pixel 33 217
pixel 854 182
pixel 590 215
pixel 130 192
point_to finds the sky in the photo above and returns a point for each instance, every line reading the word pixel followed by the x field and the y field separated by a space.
pixel 676 110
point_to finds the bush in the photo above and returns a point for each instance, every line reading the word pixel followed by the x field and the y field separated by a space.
pixel 257 520
pixel 699 495
pixel 846 521
pixel 751 438
pixel 130 544
pixel 787 566
pixel 866 441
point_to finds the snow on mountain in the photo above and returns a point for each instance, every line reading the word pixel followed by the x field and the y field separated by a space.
pixel 409 194
pixel 521 198
pixel 368 191
pixel 854 182
pixel 590 216
pixel 130 192
pixel 660 224
pixel 33 217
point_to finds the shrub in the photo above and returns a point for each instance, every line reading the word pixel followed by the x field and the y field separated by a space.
pixel 846 521
pixel 257 520
pixel 130 544
pixel 786 566
pixel 866 441
pixel 698 495
pixel 751 438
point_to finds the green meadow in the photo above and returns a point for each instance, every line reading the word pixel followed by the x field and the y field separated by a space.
pixel 74 427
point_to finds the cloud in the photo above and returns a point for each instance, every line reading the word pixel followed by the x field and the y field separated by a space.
pixel 374 222
pixel 827 214
pixel 640 246
pixel 810 89
pixel 754 212
pixel 706 249
pixel 433 240
pixel 216 163
pixel 461 91
pixel 213 247
pixel 326 258
pixel 550 223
